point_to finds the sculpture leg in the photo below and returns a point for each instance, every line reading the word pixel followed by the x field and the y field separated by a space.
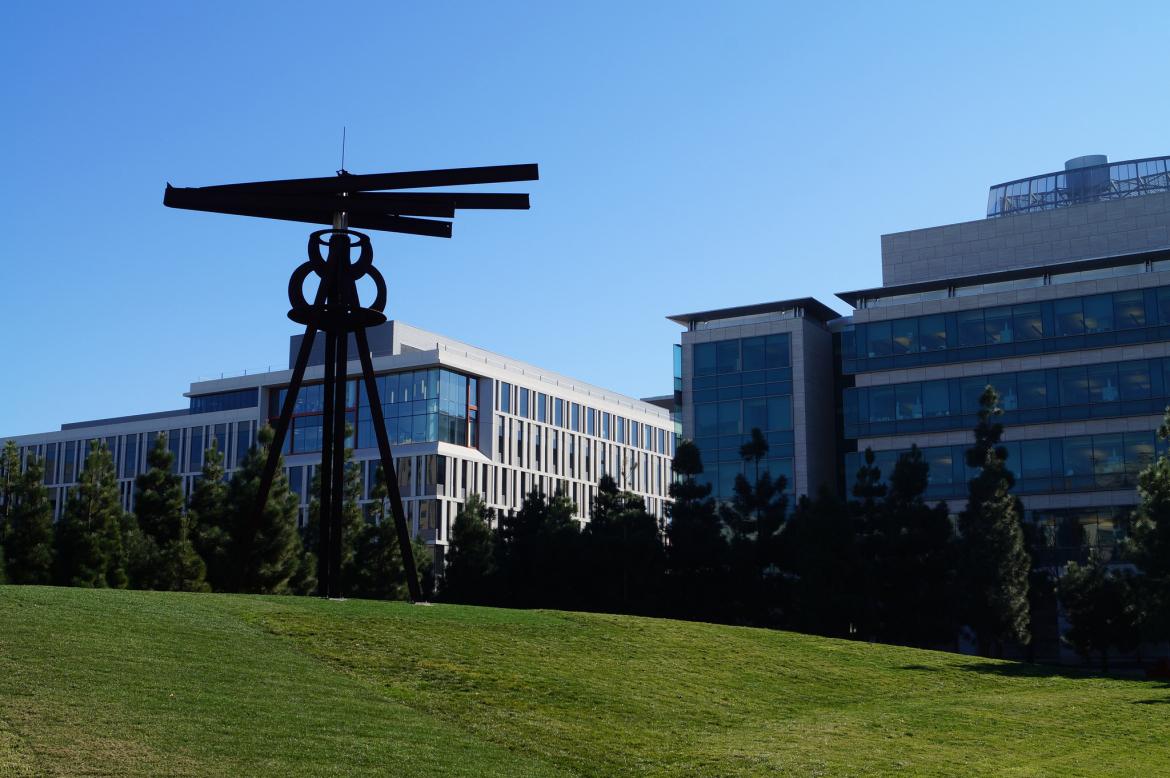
pixel 339 403
pixel 388 469
pixel 325 497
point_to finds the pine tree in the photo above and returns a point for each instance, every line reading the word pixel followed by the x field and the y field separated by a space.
pixel 537 552
pixel 168 559
pixel 697 552
pixel 90 550
pixel 1151 540
pixel 208 519
pixel 353 533
pixel 756 516
pixel 28 546
pixel 381 573
pixel 265 553
pixel 470 562
pixel 1102 609
pixel 912 553
pixel 9 479
pixel 820 560
pixel 623 553
pixel 995 562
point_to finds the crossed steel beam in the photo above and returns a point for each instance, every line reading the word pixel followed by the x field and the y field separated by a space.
pixel 347 201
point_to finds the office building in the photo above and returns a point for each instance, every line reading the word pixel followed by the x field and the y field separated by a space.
pixel 1060 298
pixel 461 420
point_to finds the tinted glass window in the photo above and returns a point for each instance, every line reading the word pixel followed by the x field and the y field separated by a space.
pixel 1129 309
pixel 904 336
pixel 727 356
pixel 971 332
pixel 1070 319
pixel 1027 322
pixel 932 333
pixel 753 353
pixel 1098 313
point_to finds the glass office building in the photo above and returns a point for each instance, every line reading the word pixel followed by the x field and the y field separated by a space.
pixel 765 367
pixel 462 421
pixel 1060 299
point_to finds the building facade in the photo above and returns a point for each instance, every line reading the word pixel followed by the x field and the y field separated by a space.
pixel 763 366
pixel 461 420
pixel 1060 299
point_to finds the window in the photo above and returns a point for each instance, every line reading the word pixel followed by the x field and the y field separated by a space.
pixel 970 390
pixel 1134 380
pixel 729 417
pixel 878 339
pixel 541 407
pixel 933 333
pixel 1028 322
pixel 755 414
pixel 706 420
pixel 997 325
pixel 753 353
pixel 1098 313
pixel 1074 386
pixel 727 356
pixel 908 402
pixel 779 353
pixel 575 417
pixel 904 336
pixel 1033 389
pixel 935 399
pixel 1129 310
pixel 881 403
pixel 704 354
pixel 559 412
pixel 971 331
pixel 1103 386
pixel 195 449
pixel 506 397
pixel 524 403
pixel 1070 318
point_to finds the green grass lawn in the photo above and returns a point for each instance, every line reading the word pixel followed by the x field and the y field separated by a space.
pixel 141 683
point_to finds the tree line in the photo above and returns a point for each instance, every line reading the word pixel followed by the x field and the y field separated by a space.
pixel 212 541
pixel 882 565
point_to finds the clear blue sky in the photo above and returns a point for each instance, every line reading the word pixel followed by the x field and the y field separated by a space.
pixel 693 155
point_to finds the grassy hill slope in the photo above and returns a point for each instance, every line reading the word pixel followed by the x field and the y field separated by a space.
pixel 153 683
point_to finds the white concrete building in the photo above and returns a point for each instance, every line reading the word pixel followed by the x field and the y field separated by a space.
pixel 461 420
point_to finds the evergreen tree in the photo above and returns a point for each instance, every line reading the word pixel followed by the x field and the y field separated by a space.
pixel 265 550
pixel 470 564
pixel 697 553
pixel 537 552
pixel 424 561
pixel 28 545
pixel 353 532
pixel 90 547
pixel 378 559
pixel 210 525
pixel 1150 544
pixel 9 479
pixel 756 516
pixel 912 554
pixel 820 561
pixel 167 559
pixel 1102 609
pixel 995 563
pixel 868 529
pixel 623 554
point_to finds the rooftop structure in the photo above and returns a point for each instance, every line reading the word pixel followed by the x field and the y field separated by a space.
pixel 1084 180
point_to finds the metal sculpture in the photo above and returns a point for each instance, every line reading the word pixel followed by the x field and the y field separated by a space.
pixel 345 201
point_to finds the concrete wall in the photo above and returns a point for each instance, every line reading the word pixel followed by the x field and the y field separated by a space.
pixel 1086 231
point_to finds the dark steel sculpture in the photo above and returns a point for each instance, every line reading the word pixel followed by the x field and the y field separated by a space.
pixel 345 201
